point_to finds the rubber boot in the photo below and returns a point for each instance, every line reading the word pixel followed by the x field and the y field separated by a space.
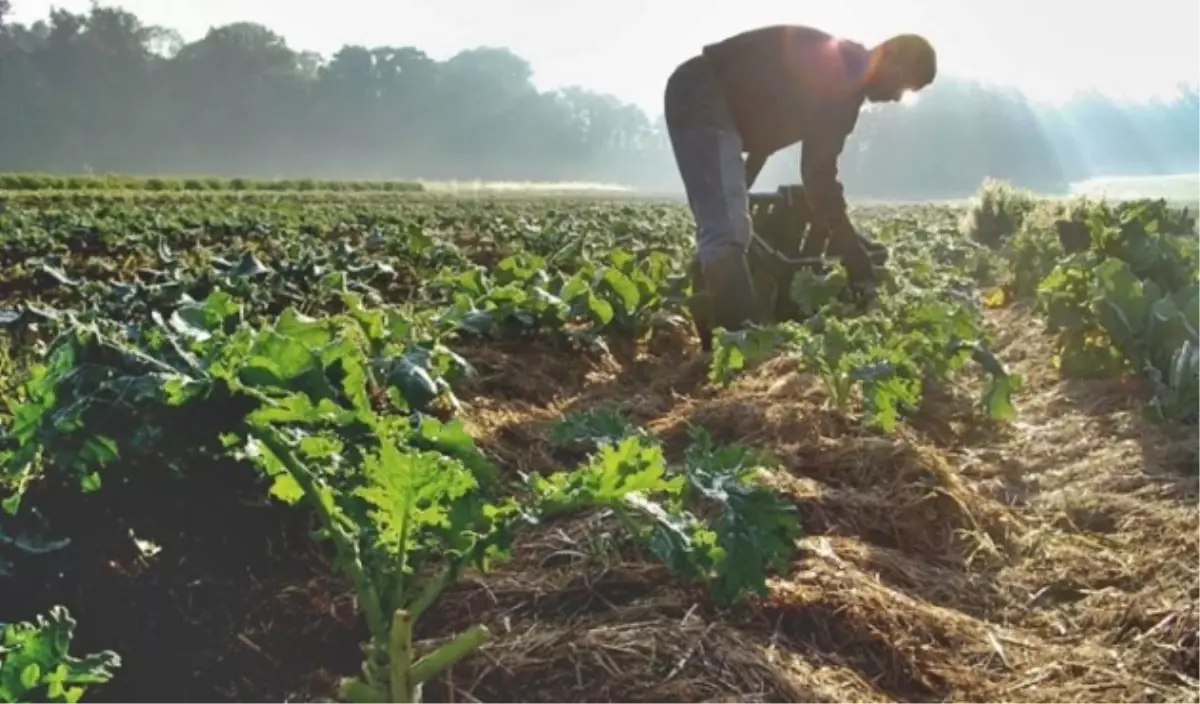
pixel 785 307
pixel 700 306
pixel 733 299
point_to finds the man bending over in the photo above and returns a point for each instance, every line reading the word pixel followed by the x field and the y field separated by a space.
pixel 756 93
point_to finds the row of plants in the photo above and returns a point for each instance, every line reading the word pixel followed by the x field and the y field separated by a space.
pixel 915 333
pixel 1117 283
pixel 118 254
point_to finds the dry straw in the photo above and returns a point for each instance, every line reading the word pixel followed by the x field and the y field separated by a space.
pixel 1054 559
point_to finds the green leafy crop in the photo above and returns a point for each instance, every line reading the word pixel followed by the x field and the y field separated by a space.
pixel 36 664
pixel 333 412
pixel 922 327
pixel 1131 301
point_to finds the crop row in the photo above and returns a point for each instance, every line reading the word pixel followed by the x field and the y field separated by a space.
pixel 1118 285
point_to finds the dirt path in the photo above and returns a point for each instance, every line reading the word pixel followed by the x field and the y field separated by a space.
pixel 1052 559
pixel 1104 578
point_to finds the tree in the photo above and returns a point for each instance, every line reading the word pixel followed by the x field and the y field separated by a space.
pixel 103 90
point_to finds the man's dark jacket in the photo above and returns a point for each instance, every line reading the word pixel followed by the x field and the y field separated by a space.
pixel 788 84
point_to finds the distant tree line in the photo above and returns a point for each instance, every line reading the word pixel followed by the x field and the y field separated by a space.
pixel 104 91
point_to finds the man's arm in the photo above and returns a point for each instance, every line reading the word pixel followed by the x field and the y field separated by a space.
pixel 818 168
pixel 819 172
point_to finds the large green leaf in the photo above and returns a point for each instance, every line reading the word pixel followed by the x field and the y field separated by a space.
pixel 36 663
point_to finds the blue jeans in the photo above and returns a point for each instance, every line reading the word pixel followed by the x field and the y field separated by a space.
pixel 708 151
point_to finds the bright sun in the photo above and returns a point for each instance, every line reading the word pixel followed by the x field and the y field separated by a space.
pixel 1048 50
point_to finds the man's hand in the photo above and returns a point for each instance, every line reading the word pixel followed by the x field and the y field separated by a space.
pixel 818 169
pixel 852 250
pixel 878 251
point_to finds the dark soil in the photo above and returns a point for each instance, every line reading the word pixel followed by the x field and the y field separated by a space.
pixel 239 604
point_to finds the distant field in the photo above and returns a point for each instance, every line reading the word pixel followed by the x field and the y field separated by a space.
pixel 522 187
pixel 1181 187
pixel 190 183
pixel 225 184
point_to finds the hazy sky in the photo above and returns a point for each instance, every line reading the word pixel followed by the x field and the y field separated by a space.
pixel 628 47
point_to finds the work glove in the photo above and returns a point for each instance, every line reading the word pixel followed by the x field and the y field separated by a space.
pixel 852 250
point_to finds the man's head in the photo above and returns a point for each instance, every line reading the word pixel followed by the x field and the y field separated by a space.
pixel 900 64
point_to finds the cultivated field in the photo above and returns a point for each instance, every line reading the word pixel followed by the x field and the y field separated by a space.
pixel 259 442
pixel 1181 187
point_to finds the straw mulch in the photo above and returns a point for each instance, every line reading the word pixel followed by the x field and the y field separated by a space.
pixel 1050 559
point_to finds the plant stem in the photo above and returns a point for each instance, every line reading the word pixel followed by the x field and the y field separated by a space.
pixel 434 589
pixel 442 658
pixel 345 544
pixel 400 657
pixel 358 691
